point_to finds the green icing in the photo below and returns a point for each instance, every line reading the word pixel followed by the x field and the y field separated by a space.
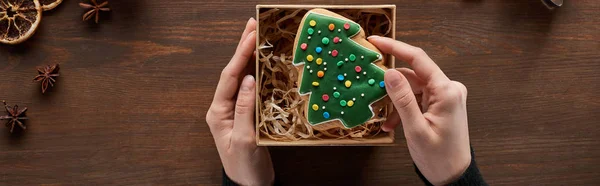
pixel 350 55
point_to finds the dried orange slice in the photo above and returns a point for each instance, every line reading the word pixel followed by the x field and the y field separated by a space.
pixel 18 20
pixel 49 4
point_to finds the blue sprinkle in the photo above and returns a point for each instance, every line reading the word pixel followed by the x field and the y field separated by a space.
pixel 326 115
pixel 341 77
pixel 318 50
pixel 382 84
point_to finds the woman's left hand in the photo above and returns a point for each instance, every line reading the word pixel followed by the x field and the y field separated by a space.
pixel 231 119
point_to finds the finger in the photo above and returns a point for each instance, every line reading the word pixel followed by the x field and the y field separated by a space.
pixel 424 67
pixel 415 82
pixel 250 26
pixel 243 122
pixel 232 73
pixel 405 103
pixel 392 120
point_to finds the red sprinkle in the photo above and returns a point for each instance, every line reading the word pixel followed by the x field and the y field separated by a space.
pixel 303 46
pixel 336 40
pixel 346 26
pixel 334 53
pixel 325 97
pixel 357 69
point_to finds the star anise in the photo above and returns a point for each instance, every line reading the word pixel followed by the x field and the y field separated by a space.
pixel 95 9
pixel 47 75
pixel 14 116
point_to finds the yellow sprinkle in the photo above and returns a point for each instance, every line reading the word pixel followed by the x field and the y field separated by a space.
pixel 315 107
pixel 312 23
pixel 319 61
pixel 309 58
pixel 316 84
pixel 348 83
pixel 350 103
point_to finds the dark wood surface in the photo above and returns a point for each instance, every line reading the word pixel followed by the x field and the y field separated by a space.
pixel 129 106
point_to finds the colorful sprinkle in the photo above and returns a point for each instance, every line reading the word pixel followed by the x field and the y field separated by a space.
pixel 325 40
pixel 357 69
pixel 334 53
pixel 310 31
pixel 319 61
pixel 346 26
pixel 315 107
pixel 336 94
pixel 336 40
pixel 382 84
pixel 371 81
pixel 309 58
pixel 316 84
pixel 331 26
pixel 303 46
pixel 340 77
pixel 340 63
pixel 320 74
pixel 318 50
pixel 343 103
pixel 348 83
pixel 350 103
pixel 312 23
pixel 326 115
pixel 352 57
pixel 325 97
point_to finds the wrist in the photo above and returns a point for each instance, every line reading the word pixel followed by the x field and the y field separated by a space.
pixel 458 169
pixel 235 180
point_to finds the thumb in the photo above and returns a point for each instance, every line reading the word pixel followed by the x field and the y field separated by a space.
pixel 243 121
pixel 401 94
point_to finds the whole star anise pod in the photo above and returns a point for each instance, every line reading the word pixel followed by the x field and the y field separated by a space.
pixel 14 115
pixel 47 75
pixel 95 9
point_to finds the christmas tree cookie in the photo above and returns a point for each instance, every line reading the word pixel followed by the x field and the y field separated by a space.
pixel 340 72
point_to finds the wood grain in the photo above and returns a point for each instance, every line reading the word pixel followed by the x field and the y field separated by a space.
pixel 130 104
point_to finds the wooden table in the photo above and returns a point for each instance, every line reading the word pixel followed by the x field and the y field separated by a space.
pixel 129 106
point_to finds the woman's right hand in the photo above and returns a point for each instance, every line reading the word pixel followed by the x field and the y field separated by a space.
pixel 437 136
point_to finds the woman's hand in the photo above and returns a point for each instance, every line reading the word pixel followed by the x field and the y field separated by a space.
pixel 231 119
pixel 438 136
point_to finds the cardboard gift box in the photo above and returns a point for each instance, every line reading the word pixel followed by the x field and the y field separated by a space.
pixel 279 121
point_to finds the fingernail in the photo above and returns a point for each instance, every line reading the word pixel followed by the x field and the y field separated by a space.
pixel 247 83
pixel 373 37
pixel 392 78
pixel 385 128
pixel 251 18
